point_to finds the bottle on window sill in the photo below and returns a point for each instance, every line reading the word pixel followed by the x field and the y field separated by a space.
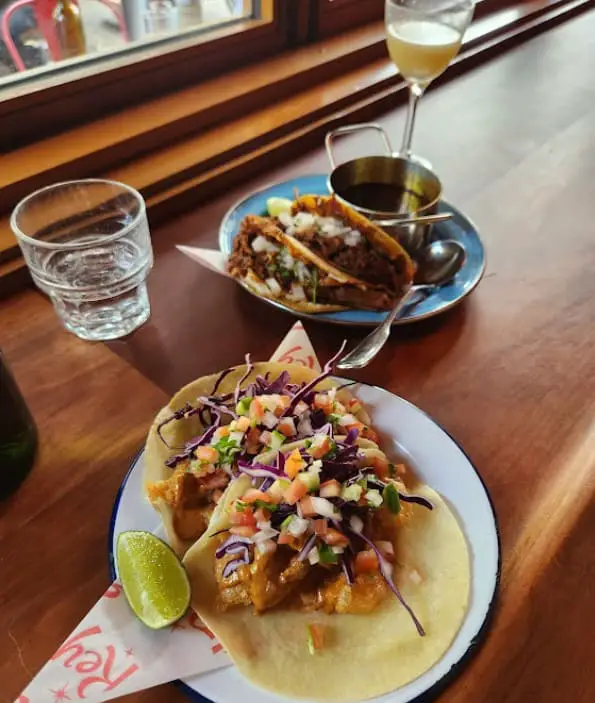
pixel 18 434
pixel 69 29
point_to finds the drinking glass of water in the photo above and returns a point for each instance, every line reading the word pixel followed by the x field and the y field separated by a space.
pixel 87 245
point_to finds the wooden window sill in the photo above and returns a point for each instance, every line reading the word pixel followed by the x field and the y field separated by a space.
pixel 170 147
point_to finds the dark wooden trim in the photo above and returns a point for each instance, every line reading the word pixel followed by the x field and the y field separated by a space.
pixel 172 182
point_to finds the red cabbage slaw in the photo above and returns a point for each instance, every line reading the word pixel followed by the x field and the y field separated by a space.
pixel 345 511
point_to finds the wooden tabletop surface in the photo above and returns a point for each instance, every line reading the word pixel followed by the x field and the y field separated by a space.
pixel 510 374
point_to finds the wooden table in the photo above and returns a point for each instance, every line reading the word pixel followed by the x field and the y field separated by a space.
pixel 511 374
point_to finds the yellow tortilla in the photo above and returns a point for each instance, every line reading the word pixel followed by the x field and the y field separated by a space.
pixel 364 655
pixel 179 432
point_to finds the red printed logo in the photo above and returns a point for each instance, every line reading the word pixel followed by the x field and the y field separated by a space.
pixel 96 666
pixel 290 357
pixel 113 591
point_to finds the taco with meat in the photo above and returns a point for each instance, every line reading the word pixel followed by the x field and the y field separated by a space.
pixel 217 427
pixel 336 582
pixel 320 256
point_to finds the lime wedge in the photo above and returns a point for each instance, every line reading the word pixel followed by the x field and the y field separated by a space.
pixel 154 581
pixel 277 206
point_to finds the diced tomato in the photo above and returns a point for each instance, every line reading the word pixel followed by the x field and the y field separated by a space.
pixel 253 494
pixel 262 515
pixel 296 490
pixel 321 527
pixel 243 517
pixel 256 410
pixel 386 549
pixel 294 463
pixel 315 637
pixel 243 531
pixel 221 432
pixel 206 453
pixel 380 465
pixel 307 507
pixel 330 489
pixel 283 402
pixel 324 402
pixel 320 446
pixel 335 538
pixel 285 538
pixel 365 562
pixel 286 426
pixel 242 424
pixel 368 433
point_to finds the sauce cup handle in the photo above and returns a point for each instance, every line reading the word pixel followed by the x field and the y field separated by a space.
pixel 348 129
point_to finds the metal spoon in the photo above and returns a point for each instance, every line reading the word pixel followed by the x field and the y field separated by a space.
pixel 415 220
pixel 438 264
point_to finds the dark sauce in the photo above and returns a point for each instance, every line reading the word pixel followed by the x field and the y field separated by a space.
pixel 383 197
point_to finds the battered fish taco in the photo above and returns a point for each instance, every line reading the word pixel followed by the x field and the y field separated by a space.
pixel 320 256
pixel 334 583
pixel 216 426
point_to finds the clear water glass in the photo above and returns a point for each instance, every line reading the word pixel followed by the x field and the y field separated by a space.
pixel 88 247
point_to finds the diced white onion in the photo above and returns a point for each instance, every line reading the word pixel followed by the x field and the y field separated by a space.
pixel 374 498
pixel 356 523
pixel 236 437
pixel 314 556
pixel 298 526
pixel 304 220
pixel 267 547
pixel 305 426
pixel 286 260
pixel 261 244
pixel 353 238
pixel 263 535
pixel 324 507
pixel 270 420
pixel 338 550
pixel 264 524
pixel 296 292
pixel 301 408
pixel 265 437
pixel 286 219
pixel 274 286
pixel 347 420
pixel 316 466
pixel 302 272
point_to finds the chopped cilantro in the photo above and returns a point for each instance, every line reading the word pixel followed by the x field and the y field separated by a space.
pixel 391 498
pixel 326 555
pixel 271 507
pixel 227 448
pixel 308 443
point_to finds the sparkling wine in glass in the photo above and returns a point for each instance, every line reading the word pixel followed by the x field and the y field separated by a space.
pixel 423 37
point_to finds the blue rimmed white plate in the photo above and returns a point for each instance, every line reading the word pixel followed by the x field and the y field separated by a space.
pixel 459 228
pixel 410 434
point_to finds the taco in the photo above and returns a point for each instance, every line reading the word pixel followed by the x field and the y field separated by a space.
pixel 320 257
pixel 336 583
pixel 216 426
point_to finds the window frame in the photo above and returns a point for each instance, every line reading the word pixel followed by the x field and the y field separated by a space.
pixel 73 94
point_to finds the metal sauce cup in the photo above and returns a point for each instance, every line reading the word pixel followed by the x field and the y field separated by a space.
pixel 386 187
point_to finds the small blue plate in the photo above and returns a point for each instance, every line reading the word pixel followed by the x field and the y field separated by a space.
pixel 459 228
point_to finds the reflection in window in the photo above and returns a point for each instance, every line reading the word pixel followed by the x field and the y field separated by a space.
pixel 44 33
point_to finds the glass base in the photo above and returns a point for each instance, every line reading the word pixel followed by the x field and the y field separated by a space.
pixel 106 319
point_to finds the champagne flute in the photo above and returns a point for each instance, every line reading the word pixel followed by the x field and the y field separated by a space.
pixel 423 37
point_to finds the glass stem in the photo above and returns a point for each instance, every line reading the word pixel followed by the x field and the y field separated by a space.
pixel 415 93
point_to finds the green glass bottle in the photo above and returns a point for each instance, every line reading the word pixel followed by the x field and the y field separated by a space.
pixel 18 433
